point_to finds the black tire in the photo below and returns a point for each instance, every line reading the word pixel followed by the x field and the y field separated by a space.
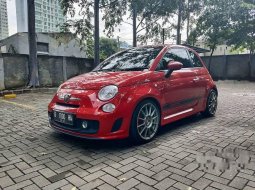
pixel 211 104
pixel 137 130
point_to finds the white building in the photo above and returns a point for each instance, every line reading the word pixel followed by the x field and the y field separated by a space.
pixel 3 20
pixel 48 15
pixel 222 49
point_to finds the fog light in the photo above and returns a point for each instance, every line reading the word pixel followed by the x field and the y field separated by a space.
pixel 84 124
pixel 109 108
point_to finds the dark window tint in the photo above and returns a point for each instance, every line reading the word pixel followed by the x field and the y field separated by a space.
pixel 42 47
pixel 195 60
pixel 175 54
pixel 133 59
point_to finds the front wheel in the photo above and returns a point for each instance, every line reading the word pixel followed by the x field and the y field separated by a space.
pixel 145 122
pixel 211 105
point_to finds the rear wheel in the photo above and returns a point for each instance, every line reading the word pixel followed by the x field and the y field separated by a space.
pixel 145 122
pixel 212 103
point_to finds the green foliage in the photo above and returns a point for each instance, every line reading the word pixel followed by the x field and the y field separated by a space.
pixel 150 16
pixel 228 21
pixel 108 47
pixel 242 34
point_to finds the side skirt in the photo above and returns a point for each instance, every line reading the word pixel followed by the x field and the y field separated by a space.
pixel 178 114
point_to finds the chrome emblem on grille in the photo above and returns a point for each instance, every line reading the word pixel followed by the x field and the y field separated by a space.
pixel 67 97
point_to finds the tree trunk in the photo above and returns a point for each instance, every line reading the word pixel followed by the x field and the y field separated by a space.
pixel 178 41
pixel 33 64
pixel 163 35
pixel 134 26
pixel 188 20
pixel 96 33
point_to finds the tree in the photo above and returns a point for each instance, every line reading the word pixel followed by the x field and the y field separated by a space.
pixel 148 16
pixel 242 33
pixel 96 33
pixel 230 22
pixel 108 47
pixel 33 65
pixel 192 10
pixel 187 11
pixel 213 24
pixel 152 17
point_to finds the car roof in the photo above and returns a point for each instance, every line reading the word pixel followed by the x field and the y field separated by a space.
pixel 186 46
pixel 161 46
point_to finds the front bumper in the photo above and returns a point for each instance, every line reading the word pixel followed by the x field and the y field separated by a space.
pixel 100 125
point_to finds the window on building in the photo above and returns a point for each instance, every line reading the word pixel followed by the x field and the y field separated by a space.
pixel 42 47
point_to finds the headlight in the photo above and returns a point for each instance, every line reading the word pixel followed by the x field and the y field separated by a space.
pixel 108 92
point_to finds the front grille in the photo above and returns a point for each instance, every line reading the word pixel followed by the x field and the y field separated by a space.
pixel 68 105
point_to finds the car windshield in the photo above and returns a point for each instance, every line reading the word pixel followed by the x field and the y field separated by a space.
pixel 136 59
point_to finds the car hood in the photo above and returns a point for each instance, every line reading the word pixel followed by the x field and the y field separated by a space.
pixel 97 80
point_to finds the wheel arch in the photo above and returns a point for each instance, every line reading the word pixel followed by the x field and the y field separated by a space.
pixel 215 88
pixel 151 98
pixel 132 133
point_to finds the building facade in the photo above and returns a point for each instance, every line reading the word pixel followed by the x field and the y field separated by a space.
pixel 221 49
pixel 53 44
pixel 3 20
pixel 48 16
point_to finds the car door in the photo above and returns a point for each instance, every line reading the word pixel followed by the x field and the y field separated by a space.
pixel 201 74
pixel 179 95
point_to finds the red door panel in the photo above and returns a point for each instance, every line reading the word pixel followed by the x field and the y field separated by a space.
pixel 179 92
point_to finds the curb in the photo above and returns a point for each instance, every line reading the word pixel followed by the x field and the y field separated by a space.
pixel 28 90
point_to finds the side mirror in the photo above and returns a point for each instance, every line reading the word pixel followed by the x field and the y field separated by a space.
pixel 173 66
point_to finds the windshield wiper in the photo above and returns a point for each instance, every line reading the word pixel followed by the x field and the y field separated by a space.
pixel 103 70
pixel 134 69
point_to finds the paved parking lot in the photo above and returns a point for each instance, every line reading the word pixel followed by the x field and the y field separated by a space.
pixel 195 153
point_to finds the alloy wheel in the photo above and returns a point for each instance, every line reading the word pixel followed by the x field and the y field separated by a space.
pixel 212 103
pixel 148 121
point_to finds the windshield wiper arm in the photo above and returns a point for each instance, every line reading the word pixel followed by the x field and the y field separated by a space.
pixel 113 70
pixel 134 69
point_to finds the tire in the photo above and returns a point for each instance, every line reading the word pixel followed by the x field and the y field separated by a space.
pixel 145 122
pixel 211 104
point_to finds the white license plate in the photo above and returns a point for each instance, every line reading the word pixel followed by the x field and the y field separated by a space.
pixel 62 117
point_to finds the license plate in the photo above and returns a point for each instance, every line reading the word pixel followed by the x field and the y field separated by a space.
pixel 64 118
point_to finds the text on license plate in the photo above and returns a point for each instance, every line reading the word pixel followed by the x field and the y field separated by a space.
pixel 64 118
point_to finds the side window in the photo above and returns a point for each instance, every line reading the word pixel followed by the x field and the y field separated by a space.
pixel 195 60
pixel 175 54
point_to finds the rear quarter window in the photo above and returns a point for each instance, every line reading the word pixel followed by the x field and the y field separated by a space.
pixel 195 60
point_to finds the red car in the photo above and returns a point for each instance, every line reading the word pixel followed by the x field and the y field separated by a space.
pixel 133 93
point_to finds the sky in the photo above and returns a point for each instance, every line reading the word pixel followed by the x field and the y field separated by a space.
pixel 124 31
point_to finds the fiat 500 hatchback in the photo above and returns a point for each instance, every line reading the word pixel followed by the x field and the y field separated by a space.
pixel 133 93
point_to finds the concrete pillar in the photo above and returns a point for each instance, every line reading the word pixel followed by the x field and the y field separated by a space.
pixel 2 87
